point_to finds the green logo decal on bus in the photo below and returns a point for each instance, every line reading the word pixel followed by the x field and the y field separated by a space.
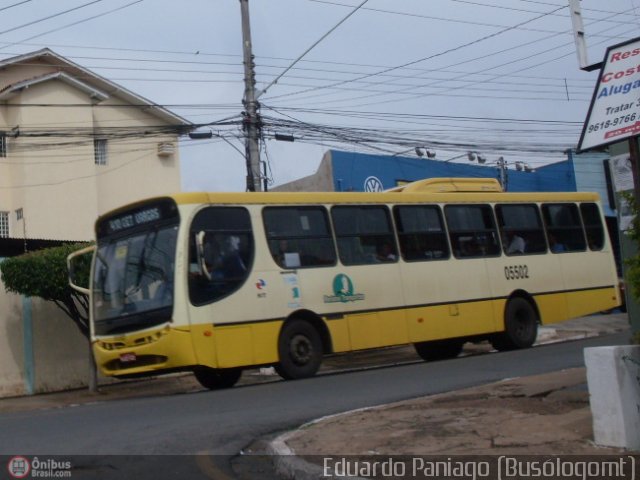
pixel 343 290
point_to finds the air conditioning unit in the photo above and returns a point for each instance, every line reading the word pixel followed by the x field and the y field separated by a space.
pixel 166 149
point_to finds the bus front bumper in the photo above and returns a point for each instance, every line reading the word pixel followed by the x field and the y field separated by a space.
pixel 144 353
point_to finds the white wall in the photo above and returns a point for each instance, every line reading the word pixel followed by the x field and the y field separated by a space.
pixel 12 371
pixel 41 350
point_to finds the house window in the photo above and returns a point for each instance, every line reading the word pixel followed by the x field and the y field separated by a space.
pixel 4 224
pixel 3 145
pixel 100 151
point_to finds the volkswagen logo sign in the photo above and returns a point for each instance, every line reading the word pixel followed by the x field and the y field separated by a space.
pixel 373 184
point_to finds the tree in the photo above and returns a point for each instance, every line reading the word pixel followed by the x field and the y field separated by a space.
pixel 633 262
pixel 43 274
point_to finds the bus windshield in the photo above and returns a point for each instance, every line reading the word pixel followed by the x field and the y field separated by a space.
pixel 133 280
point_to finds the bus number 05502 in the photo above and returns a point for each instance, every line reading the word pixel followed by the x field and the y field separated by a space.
pixel 516 272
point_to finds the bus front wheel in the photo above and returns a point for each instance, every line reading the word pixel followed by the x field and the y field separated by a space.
pixel 520 326
pixel 216 379
pixel 438 349
pixel 300 350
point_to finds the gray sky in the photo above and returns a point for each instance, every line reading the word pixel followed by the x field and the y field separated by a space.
pixel 500 76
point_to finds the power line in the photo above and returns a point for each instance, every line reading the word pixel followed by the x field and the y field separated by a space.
pixel 49 17
pixel 456 88
pixel 75 23
pixel 274 81
pixel 14 5
pixel 420 60
pixel 454 20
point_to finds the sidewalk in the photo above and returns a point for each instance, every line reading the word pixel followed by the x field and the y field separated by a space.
pixel 539 415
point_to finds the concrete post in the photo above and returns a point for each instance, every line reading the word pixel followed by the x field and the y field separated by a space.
pixel 613 376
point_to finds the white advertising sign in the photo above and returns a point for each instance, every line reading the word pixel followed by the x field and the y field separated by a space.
pixel 614 114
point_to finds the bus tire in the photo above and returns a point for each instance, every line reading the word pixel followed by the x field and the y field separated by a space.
pixel 217 378
pixel 299 350
pixel 438 349
pixel 520 326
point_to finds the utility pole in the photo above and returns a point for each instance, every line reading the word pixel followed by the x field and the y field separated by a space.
pixel 502 172
pixel 579 37
pixel 251 124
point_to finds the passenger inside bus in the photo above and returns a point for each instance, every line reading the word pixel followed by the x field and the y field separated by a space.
pixel 386 253
pixel 516 243
pixel 556 247
pixel 232 265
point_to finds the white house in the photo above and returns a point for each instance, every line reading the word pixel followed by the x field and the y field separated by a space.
pixel 73 145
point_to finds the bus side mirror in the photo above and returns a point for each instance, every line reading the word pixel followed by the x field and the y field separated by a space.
pixel 202 265
pixel 79 267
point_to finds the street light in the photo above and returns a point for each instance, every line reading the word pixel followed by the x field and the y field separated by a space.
pixel 202 135
pixel 420 152
pixel 470 155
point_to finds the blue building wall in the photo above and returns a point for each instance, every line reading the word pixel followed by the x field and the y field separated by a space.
pixel 591 177
pixel 352 170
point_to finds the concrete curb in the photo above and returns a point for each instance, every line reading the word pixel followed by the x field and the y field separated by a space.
pixel 289 465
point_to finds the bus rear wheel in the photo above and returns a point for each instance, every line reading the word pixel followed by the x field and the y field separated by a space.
pixel 438 349
pixel 520 326
pixel 217 378
pixel 300 351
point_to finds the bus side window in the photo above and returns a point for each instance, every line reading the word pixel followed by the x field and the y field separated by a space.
pixel 472 231
pixel 421 233
pixel 299 237
pixel 364 235
pixel 221 253
pixel 564 228
pixel 521 229
pixel 593 225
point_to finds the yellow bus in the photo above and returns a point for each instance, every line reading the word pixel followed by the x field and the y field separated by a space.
pixel 218 282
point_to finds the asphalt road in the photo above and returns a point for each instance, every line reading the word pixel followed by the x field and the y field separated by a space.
pixel 222 423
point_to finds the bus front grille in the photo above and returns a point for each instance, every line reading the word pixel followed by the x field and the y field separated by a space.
pixel 141 361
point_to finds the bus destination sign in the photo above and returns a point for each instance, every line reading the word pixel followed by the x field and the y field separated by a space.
pixel 614 114
pixel 134 219
pixel 153 213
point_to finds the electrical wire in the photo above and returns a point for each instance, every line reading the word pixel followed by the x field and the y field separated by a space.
pixel 459 78
pixel 423 59
pixel 49 17
pixel 93 17
pixel 315 44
